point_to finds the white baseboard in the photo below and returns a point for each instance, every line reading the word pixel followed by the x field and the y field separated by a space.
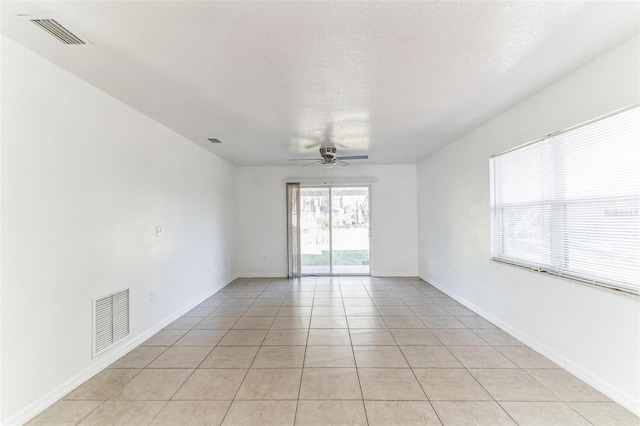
pixel 586 376
pixel 102 362
pixel 394 275
pixel 262 275
pixel 279 275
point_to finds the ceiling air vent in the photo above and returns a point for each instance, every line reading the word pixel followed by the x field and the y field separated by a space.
pixel 56 29
pixel 214 140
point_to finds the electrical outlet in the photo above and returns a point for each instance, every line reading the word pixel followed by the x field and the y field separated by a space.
pixel 264 257
pixel 159 231
pixel 152 295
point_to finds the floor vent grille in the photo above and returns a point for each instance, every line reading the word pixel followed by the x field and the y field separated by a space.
pixel 111 320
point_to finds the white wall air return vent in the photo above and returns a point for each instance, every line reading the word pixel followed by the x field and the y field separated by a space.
pixel 57 30
pixel 110 320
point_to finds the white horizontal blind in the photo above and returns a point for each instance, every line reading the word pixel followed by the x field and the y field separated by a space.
pixel 570 204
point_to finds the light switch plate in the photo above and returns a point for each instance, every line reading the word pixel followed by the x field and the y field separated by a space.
pixel 159 231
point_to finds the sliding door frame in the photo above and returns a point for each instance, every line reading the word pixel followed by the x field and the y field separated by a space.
pixel 330 187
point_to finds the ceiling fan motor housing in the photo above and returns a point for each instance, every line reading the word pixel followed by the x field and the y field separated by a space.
pixel 328 152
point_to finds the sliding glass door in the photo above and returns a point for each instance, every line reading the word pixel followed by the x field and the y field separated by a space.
pixel 350 230
pixel 315 233
pixel 334 230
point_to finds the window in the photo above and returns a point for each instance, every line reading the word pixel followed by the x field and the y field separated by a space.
pixel 569 204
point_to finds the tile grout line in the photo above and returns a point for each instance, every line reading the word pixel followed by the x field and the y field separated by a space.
pixel 355 362
pixel 480 384
pixel 194 370
pixel 304 358
pixel 416 377
pixel 243 379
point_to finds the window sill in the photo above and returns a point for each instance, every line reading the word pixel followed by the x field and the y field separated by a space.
pixel 596 284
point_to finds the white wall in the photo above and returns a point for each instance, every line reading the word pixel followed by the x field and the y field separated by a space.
pixel 85 181
pixel 262 215
pixel 592 332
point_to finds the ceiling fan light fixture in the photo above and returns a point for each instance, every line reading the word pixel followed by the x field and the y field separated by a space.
pixel 329 158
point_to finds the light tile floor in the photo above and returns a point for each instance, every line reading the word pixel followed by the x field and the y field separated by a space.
pixel 333 351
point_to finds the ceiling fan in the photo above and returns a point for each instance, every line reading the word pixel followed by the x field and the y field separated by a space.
pixel 330 159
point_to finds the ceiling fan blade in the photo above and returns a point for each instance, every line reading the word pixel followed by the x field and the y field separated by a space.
pixel 342 163
pixel 312 145
pixel 306 142
pixel 302 159
pixel 340 145
pixel 312 164
pixel 353 157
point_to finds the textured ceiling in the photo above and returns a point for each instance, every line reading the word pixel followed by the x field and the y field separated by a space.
pixel 394 80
